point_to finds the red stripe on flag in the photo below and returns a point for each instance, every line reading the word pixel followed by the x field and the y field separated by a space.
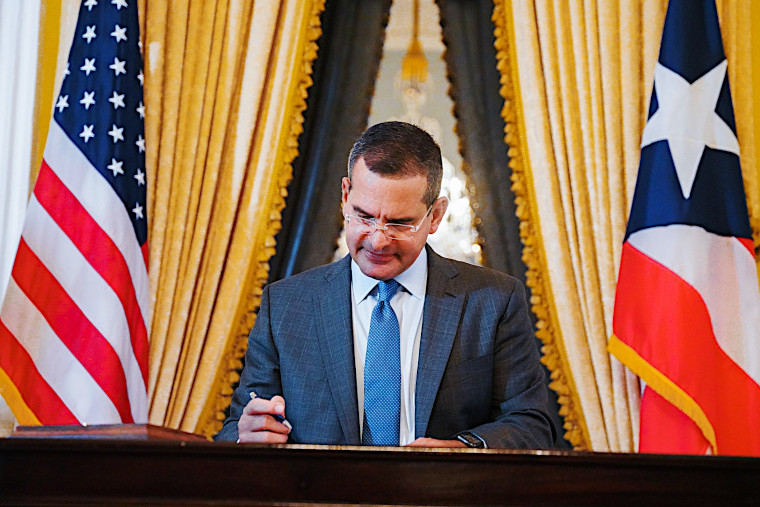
pixel 144 250
pixel 666 322
pixel 99 250
pixel 748 244
pixel 666 430
pixel 72 327
pixel 41 399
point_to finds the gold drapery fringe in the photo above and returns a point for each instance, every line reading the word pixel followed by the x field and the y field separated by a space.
pixel 547 327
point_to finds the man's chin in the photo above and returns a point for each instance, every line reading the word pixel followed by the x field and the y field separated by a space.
pixel 379 270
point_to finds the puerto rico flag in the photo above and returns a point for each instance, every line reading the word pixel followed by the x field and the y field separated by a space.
pixel 687 308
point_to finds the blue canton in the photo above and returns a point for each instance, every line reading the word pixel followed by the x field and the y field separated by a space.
pixel 100 106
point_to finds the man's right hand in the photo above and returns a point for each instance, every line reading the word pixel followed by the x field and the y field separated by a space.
pixel 258 425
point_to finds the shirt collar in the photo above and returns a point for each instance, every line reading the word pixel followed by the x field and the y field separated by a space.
pixel 413 279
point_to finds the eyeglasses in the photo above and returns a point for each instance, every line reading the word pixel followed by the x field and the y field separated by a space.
pixel 392 231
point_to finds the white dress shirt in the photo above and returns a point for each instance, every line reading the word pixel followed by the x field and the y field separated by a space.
pixel 407 303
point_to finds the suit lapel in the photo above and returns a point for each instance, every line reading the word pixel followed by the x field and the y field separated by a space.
pixel 441 315
pixel 335 332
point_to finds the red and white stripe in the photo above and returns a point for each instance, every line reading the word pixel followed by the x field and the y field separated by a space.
pixel 74 322
pixel 688 303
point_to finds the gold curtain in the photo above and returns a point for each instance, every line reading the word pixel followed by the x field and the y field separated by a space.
pixel 577 77
pixel 225 86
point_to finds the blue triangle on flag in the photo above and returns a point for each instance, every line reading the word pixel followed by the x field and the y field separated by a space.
pixel 691 42
pixel 658 200
pixel 691 47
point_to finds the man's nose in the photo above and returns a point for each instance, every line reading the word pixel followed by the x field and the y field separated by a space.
pixel 379 239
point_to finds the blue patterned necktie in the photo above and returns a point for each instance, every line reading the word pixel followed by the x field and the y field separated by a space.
pixel 382 372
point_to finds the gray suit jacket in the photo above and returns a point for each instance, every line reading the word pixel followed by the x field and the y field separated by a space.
pixel 478 364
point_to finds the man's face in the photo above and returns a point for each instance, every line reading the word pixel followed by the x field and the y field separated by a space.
pixel 387 200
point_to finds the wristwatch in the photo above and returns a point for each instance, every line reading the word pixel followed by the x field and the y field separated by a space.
pixel 471 440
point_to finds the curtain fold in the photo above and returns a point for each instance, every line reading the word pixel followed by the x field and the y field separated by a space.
pixel 577 78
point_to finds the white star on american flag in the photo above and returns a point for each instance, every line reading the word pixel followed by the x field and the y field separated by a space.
pixel 119 4
pixel 138 210
pixel 89 66
pixel 63 103
pixel 118 66
pixel 140 143
pixel 117 133
pixel 88 100
pixel 89 33
pixel 140 177
pixel 87 133
pixel 117 100
pixel 119 33
pixel 141 110
pixel 116 166
pixel 90 4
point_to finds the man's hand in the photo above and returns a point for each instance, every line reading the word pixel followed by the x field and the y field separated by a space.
pixel 257 425
pixel 434 442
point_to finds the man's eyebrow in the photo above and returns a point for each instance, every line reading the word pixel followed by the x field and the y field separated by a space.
pixel 360 211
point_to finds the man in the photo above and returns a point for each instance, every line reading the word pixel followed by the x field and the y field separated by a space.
pixel 393 344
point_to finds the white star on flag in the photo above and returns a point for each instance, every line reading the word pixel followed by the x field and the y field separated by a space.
pixel 87 133
pixel 118 66
pixel 141 110
pixel 63 103
pixel 117 133
pixel 141 77
pixel 119 33
pixel 140 177
pixel 138 210
pixel 119 4
pixel 117 100
pixel 140 143
pixel 90 4
pixel 89 33
pixel 686 118
pixel 88 100
pixel 116 166
pixel 89 66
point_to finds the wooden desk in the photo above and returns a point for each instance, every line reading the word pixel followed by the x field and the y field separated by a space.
pixel 55 471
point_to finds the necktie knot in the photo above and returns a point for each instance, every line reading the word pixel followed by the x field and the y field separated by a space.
pixel 386 289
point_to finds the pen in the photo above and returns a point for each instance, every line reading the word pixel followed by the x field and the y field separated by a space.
pixel 277 417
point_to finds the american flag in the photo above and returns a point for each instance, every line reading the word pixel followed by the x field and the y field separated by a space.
pixel 687 309
pixel 74 320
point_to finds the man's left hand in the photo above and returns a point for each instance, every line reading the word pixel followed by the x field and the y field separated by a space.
pixel 434 442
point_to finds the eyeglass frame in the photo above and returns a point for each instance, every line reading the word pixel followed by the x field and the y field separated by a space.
pixel 372 222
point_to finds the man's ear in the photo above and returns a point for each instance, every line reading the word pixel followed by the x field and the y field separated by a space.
pixel 345 187
pixel 439 210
